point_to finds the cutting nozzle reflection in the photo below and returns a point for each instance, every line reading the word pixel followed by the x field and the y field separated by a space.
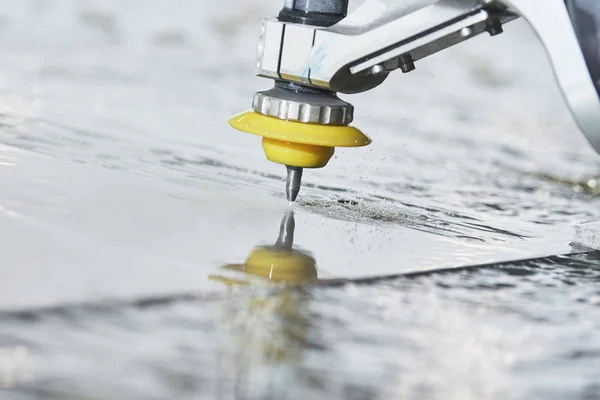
pixel 277 263
pixel 285 240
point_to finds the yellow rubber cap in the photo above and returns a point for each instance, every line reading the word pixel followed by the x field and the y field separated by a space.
pixel 296 143
pixel 299 132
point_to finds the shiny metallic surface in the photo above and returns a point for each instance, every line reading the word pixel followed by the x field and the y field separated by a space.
pixel 421 28
pixel 321 6
pixel 466 31
pixel 378 32
pixel 297 43
pixel 293 182
pixel 556 32
pixel 585 15
pixel 325 109
pixel 315 13
pixel 467 25
pixel 268 48
pixel 270 62
pixel 377 69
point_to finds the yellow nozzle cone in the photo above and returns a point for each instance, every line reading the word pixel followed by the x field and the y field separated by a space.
pixel 296 154
pixel 298 144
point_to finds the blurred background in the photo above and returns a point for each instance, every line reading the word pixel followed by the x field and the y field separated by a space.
pixel 124 189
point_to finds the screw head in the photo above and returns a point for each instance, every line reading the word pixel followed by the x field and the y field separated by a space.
pixel 466 31
pixel 406 63
pixel 494 27
pixel 377 69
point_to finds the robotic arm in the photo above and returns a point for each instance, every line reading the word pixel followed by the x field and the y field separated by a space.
pixel 313 50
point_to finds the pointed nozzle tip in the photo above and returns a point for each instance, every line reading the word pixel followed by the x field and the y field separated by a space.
pixel 293 182
pixel 292 195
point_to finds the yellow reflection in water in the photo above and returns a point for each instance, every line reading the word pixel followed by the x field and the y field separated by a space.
pixel 277 263
pixel 271 328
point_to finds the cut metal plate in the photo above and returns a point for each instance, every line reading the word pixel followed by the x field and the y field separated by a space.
pixel 588 235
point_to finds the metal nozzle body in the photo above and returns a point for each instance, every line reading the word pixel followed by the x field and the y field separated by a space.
pixel 293 182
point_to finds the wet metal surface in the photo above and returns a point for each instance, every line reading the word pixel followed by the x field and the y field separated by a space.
pixel 125 191
pixel 527 329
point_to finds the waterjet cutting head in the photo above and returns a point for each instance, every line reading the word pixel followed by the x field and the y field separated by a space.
pixel 300 128
pixel 313 50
